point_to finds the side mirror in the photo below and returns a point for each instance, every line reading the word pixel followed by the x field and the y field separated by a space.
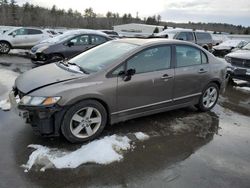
pixel 128 74
pixel 13 35
pixel 180 38
pixel 69 44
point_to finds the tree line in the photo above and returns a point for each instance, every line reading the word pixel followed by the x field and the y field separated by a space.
pixel 12 14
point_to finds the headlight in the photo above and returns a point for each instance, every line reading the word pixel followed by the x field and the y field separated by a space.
pixel 42 48
pixel 228 59
pixel 37 101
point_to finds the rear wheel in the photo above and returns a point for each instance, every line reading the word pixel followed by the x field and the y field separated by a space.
pixel 208 98
pixel 4 47
pixel 84 121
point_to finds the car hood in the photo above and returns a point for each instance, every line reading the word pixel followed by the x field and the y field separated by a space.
pixel 43 76
pixel 241 54
pixel 41 46
pixel 222 47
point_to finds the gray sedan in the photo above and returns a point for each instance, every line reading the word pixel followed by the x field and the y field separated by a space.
pixel 114 82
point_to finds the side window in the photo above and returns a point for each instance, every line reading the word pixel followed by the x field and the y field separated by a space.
pixel 203 36
pixel 21 31
pixel 190 36
pixel 187 56
pixel 182 36
pixel 34 32
pixel 80 40
pixel 204 59
pixel 152 59
pixel 95 39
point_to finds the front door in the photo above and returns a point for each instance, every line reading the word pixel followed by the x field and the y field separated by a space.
pixel 152 85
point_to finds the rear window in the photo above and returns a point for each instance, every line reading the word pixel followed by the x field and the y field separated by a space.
pixel 203 36
pixel 34 32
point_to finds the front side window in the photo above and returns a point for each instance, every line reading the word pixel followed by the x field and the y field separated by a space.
pixel 21 31
pixel 187 36
pixel 80 40
pixel 188 56
pixel 152 59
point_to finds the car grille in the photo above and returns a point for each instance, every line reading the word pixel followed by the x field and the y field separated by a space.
pixel 240 63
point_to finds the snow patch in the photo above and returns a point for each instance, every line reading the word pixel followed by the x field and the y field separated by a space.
pixel 7 79
pixel 5 105
pixel 103 151
pixel 141 136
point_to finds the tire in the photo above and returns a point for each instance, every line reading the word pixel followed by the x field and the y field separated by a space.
pixel 208 98
pixel 84 121
pixel 4 47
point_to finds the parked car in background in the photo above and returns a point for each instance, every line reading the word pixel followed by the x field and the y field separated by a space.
pixel 201 38
pixel 227 46
pixel 111 33
pixel 21 38
pixel 66 45
pixel 240 63
pixel 117 81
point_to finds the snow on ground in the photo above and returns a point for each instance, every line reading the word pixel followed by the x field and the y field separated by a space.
pixel 141 136
pixel 244 89
pixel 239 82
pixel 7 79
pixel 103 151
pixel 20 52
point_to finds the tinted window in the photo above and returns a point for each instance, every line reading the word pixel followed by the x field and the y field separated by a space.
pixel 203 36
pixel 187 56
pixel 95 39
pixel 152 59
pixel 80 40
pixel 34 32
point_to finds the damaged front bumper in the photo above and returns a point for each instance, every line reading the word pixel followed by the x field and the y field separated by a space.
pixel 45 120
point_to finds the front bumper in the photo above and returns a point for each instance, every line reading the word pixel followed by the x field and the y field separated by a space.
pixel 45 121
pixel 39 58
pixel 239 73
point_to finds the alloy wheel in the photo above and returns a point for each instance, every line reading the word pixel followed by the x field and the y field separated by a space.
pixel 210 97
pixel 85 122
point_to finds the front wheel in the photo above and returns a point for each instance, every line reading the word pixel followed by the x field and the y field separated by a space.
pixel 208 98
pixel 4 47
pixel 84 121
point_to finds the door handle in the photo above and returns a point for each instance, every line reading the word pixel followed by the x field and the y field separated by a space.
pixel 166 76
pixel 202 71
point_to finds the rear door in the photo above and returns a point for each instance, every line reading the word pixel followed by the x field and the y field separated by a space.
pixel 34 36
pixel 96 40
pixel 192 73
pixel 152 85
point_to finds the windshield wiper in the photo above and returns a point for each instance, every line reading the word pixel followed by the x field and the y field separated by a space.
pixel 81 69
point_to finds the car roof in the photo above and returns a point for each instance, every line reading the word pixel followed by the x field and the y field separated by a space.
pixel 152 41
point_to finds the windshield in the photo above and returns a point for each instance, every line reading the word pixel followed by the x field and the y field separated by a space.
pixel 99 57
pixel 247 47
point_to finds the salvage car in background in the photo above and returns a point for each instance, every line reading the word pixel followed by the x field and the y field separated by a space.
pixel 240 63
pixel 226 47
pixel 116 81
pixel 21 38
pixel 204 39
pixel 66 45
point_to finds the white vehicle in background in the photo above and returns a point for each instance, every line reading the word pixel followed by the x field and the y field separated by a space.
pixel 228 46
pixel 21 38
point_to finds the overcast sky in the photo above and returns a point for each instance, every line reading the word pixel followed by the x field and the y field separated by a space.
pixel 226 11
